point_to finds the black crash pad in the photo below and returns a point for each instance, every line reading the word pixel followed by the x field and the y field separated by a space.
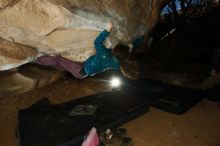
pixel 213 94
pixel 130 105
pixel 44 124
pixel 170 98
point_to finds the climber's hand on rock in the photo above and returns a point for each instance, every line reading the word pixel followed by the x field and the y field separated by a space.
pixel 110 26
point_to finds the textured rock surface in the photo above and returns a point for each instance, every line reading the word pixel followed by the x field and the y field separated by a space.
pixel 28 77
pixel 69 27
pixel 13 54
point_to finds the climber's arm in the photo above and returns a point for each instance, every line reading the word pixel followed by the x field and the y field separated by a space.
pixel 100 40
pixel 102 36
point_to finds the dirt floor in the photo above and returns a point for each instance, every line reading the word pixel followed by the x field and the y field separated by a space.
pixel 198 127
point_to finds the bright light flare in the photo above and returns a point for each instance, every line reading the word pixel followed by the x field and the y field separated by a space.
pixel 115 82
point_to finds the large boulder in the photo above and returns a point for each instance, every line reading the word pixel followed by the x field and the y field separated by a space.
pixel 28 77
pixel 13 54
pixel 69 27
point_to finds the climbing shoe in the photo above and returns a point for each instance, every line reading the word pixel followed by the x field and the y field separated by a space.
pixel 114 137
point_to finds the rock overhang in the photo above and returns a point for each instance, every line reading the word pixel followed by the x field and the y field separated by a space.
pixel 69 27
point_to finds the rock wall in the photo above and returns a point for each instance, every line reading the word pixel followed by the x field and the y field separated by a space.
pixel 13 55
pixel 69 27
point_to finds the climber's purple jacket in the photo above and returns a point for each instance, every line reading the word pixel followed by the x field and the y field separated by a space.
pixel 103 59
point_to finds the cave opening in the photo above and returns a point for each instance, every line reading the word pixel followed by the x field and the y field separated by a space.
pixel 185 41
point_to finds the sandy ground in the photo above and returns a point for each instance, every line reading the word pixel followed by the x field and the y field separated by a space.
pixel 198 127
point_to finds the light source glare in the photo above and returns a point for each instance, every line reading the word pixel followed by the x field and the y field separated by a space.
pixel 115 82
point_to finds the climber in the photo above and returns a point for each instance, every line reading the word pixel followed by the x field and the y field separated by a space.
pixel 101 61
